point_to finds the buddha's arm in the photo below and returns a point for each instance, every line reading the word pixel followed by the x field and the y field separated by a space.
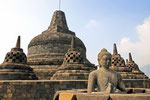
pixel 121 85
pixel 91 82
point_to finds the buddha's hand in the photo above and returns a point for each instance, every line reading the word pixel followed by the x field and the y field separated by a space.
pixel 116 90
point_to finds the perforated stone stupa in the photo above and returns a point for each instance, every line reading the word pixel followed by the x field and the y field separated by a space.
pixel 118 64
pixel 46 51
pixel 73 67
pixel 134 68
pixel 15 65
pixel 129 70
pixel 131 64
pixel 117 60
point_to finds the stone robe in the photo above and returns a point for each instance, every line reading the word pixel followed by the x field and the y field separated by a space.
pixel 106 80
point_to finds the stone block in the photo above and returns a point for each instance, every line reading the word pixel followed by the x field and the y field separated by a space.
pixel 8 91
pixel 85 96
pixel 10 95
pixel 5 95
pixel 147 90
pixel 130 96
pixel 67 96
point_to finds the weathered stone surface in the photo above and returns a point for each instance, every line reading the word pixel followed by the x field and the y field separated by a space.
pixel 45 72
pixel 35 89
pixel 15 65
pixel 73 67
pixel 118 64
pixel 50 47
pixel 105 79
pixel 129 70
pixel 135 69
pixel 85 96
pixel 52 44
pixel 59 23
pixel 46 55
pixel 117 60
pixel 67 95
pixel 130 96
pixel 44 89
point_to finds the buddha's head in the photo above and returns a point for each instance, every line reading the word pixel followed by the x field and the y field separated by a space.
pixel 104 58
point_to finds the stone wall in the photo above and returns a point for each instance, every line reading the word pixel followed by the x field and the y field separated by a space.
pixel 137 83
pixel 45 89
pixel 99 96
pixel 35 90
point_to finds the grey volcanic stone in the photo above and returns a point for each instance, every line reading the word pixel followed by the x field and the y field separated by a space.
pixel 51 46
pixel 117 60
pixel 15 65
pixel 105 79
pixel 130 96
pixel 131 64
pixel 73 67
pixel 129 70
pixel 82 95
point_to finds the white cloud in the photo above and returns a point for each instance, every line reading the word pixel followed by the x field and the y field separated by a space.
pixel 139 49
pixel 92 25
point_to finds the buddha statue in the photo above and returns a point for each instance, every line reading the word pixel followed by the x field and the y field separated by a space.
pixel 106 80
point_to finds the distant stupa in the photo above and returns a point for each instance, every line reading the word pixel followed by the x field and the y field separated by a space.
pixel 15 65
pixel 129 70
pixel 117 60
pixel 131 64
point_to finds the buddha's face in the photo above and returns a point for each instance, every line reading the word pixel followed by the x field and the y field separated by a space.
pixel 105 61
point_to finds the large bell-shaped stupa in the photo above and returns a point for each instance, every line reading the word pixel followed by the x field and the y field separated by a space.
pixel 46 51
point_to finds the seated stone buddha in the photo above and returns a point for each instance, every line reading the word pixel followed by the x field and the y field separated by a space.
pixel 105 79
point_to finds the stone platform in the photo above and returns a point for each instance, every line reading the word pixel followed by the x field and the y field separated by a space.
pixel 45 89
pixel 36 89
pixel 85 96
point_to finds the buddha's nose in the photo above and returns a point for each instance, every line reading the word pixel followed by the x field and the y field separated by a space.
pixel 108 61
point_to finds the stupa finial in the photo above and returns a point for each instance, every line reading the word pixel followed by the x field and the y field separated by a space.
pixel 130 57
pixel 126 60
pixel 73 43
pixel 58 22
pixel 115 49
pixel 59 4
pixel 18 42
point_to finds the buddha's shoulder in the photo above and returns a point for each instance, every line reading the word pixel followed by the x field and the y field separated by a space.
pixel 113 72
pixel 95 72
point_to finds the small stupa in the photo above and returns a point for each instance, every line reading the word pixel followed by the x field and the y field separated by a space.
pixel 118 64
pixel 15 65
pixel 134 68
pixel 117 60
pixel 130 70
pixel 73 67
pixel 131 64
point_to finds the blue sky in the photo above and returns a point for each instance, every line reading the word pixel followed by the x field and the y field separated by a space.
pixel 98 23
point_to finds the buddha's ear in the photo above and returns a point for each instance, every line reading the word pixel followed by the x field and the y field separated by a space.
pixel 98 67
pixel 99 62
